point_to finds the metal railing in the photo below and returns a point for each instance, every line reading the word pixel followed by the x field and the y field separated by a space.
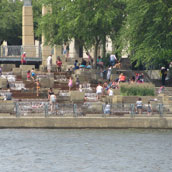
pixel 17 51
pixel 43 109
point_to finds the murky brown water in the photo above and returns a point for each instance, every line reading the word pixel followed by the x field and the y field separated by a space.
pixel 87 150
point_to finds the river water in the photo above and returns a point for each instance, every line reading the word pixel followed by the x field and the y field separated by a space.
pixel 48 150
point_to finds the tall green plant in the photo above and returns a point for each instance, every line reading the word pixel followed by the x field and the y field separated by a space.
pixel 137 89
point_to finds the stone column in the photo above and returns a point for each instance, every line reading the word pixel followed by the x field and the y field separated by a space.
pixel 46 50
pixel 27 24
pixel 27 30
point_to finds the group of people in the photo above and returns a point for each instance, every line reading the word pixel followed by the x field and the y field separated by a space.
pixel 104 90
pixel 139 107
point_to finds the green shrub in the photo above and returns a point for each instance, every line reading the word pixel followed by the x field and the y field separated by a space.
pixel 144 89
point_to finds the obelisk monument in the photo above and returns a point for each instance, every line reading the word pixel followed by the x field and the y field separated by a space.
pixel 27 24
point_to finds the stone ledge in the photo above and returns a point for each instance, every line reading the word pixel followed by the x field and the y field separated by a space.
pixel 87 122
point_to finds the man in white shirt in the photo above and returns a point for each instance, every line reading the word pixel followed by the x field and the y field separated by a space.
pixel 112 59
pixel 49 63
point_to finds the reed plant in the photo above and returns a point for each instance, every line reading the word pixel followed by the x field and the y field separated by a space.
pixel 136 89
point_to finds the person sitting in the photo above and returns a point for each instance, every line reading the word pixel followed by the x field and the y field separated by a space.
pixel 110 92
pixel 117 65
pixel 107 108
pixel 83 64
pixel 122 78
pixel 115 85
pixel 140 78
pixel 76 66
pixel 8 95
pixel 89 65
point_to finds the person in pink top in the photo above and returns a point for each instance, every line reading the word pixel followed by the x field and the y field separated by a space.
pixel 28 75
pixel 70 83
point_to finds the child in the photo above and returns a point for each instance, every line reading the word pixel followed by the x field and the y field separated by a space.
pixel 28 75
pixel 33 74
pixel 37 88
pixel 149 110
pixel 70 83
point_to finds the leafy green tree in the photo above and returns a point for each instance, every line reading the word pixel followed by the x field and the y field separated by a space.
pixel 88 21
pixel 37 14
pixel 148 32
pixel 11 21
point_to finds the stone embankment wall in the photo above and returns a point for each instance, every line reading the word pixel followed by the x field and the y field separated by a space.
pixel 86 122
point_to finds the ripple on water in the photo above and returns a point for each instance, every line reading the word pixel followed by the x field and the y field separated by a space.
pixel 85 150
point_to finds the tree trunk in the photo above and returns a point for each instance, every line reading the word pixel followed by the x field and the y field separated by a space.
pixel 95 54
pixel 104 47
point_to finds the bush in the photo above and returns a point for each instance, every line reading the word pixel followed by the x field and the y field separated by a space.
pixel 144 89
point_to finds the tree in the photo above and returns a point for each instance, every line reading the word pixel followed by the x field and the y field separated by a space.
pixel 11 21
pixel 148 32
pixel 88 21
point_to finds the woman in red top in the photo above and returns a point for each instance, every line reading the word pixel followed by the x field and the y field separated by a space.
pixel 59 64
pixel 23 58
pixel 122 77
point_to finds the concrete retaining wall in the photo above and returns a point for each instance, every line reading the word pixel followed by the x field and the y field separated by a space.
pixel 84 122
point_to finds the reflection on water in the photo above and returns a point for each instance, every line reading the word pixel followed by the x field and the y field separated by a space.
pixel 85 150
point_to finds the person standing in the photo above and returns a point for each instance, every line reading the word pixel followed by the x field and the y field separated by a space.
pixel 50 91
pixel 139 105
pixel 163 75
pixel 49 63
pixel 70 83
pixel 149 109
pixel 99 91
pixel 23 58
pixel 59 64
pixel 67 51
pixel 0 71
pixel 52 101
pixel 33 75
pixel 37 87
pixel 109 73
pixel 112 59
pixel 28 75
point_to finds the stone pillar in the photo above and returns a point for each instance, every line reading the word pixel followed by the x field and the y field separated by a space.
pixel 73 49
pixel 46 50
pixel 28 30
pixel 27 24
